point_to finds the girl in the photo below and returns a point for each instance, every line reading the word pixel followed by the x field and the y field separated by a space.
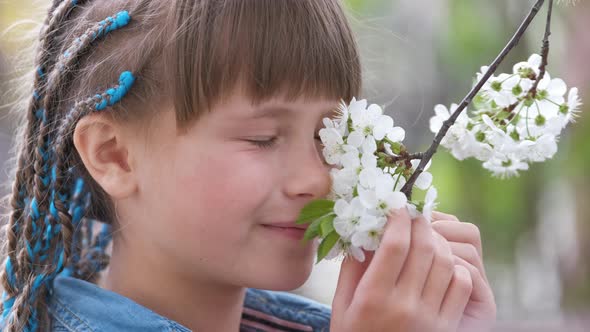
pixel 188 128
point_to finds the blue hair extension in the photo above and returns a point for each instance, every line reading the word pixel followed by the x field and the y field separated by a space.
pixel 79 204
pixel 33 209
pixel 10 272
pixel 26 205
pixel 104 237
pixel 99 30
pixel 114 95
pixel 40 72
pixel 112 23
pixel 7 303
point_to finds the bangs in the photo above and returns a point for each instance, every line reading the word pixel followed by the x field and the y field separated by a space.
pixel 265 47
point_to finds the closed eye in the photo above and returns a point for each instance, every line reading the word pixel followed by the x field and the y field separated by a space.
pixel 264 144
pixel 268 143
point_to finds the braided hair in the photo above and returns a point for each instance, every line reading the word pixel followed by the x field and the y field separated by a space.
pixel 45 228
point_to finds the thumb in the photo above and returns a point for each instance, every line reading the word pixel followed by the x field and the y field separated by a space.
pixel 351 272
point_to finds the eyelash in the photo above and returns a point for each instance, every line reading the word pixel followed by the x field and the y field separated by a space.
pixel 264 144
pixel 267 144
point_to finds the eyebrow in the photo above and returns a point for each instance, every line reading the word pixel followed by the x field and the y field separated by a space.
pixel 284 111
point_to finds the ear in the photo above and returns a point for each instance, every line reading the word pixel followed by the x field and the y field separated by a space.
pixel 104 151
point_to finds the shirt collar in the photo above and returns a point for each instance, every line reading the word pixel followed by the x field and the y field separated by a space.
pixel 83 306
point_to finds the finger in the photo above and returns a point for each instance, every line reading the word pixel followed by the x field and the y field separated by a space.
pixel 415 271
pixel 351 271
pixel 440 275
pixel 468 252
pixel 457 297
pixel 459 232
pixel 436 215
pixel 389 258
pixel 481 289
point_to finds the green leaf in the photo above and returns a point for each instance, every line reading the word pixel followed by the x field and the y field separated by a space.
pixel 315 209
pixel 327 244
pixel 327 224
pixel 313 230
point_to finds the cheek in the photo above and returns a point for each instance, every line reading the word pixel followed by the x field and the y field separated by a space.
pixel 221 185
pixel 215 194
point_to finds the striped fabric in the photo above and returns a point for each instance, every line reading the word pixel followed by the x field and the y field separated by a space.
pixel 258 321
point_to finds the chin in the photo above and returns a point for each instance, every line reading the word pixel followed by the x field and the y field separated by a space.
pixel 283 278
pixel 294 281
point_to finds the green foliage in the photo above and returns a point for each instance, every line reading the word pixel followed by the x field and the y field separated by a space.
pixel 315 209
pixel 327 244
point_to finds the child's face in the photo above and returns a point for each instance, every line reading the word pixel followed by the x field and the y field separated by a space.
pixel 205 195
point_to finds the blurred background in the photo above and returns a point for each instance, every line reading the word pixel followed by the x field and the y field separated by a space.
pixel 419 53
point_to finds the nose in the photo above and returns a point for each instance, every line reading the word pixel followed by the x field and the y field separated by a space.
pixel 306 173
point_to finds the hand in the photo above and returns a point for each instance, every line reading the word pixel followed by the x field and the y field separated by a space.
pixel 465 242
pixel 409 284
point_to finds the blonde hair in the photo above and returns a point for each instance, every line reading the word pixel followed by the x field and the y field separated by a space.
pixel 190 53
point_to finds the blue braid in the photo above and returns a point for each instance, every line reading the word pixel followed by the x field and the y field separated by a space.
pixel 112 23
pixel 77 208
pixel 104 237
pixel 28 203
pixel 100 30
pixel 10 272
pixel 77 203
pixel 114 95
pixel 40 72
pixel 7 303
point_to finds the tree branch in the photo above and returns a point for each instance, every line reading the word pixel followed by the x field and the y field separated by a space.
pixel 544 51
pixel 407 189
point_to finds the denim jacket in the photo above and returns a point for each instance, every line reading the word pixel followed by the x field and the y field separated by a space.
pixel 80 306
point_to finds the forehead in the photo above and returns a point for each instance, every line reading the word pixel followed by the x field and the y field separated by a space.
pixel 241 106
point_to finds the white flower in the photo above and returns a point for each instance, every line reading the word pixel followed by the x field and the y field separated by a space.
pixel 429 203
pixel 442 114
pixel 499 89
pixel 343 182
pixel 456 132
pixel 368 177
pixel 381 197
pixel 424 180
pixel 531 66
pixel 470 146
pixel 348 216
pixel 351 159
pixel 369 235
pixel 340 122
pixel 551 92
pixel 507 130
pixel 370 121
pixel 570 111
pixel 543 148
pixel 507 167
pixel 345 248
pixel 482 71
pixel 397 134
pixel 369 160
pixel 334 146
pixel 429 206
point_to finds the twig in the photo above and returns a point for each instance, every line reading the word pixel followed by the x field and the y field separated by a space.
pixel 404 157
pixel 409 156
pixel 544 51
pixel 407 189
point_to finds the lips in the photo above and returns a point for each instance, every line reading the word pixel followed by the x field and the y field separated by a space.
pixel 288 225
pixel 288 230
